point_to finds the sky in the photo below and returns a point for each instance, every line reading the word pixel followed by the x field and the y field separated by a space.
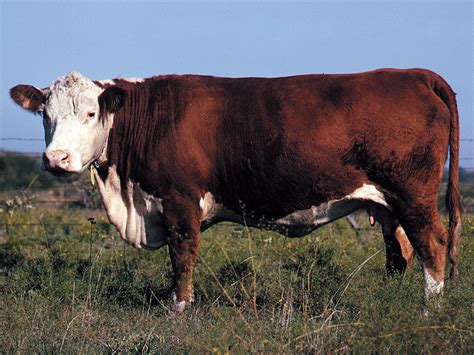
pixel 43 40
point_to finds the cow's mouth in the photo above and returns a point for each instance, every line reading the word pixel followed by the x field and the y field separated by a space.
pixel 57 172
pixel 61 164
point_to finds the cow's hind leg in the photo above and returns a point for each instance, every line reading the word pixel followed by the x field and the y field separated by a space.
pixel 399 250
pixel 430 240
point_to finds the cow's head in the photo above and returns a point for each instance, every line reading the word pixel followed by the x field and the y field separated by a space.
pixel 76 118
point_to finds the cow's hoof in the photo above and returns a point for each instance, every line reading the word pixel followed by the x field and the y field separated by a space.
pixel 178 307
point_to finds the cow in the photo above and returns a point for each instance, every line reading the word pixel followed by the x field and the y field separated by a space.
pixel 176 154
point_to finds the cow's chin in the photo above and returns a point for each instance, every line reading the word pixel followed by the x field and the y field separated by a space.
pixel 73 169
pixel 61 173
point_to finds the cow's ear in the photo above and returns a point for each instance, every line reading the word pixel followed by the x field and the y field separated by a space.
pixel 112 99
pixel 28 97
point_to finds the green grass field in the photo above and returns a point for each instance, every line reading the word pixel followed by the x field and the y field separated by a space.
pixel 78 288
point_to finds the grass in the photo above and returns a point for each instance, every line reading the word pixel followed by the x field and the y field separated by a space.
pixel 78 288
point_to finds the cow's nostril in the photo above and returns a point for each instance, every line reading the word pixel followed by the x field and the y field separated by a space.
pixel 56 159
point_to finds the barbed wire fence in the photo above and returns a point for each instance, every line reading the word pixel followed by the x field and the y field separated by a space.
pixel 26 139
pixel 21 139
pixel 70 194
pixel 70 202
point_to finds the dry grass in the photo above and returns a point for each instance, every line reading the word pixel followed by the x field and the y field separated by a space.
pixel 63 289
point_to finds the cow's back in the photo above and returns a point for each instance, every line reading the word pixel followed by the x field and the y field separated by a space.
pixel 276 145
pixel 288 143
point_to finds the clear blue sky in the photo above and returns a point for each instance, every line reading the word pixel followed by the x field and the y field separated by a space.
pixel 43 40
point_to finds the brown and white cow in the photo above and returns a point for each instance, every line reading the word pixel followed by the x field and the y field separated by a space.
pixel 176 154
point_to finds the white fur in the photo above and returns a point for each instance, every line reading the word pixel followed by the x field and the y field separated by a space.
pixel 130 80
pixel 69 101
pixel 135 214
pixel 432 287
pixel 107 82
pixel 134 80
pixel 68 127
pixel 334 209
pixel 369 193
pixel 207 205
pixel 213 212
pixel 300 222
pixel 178 306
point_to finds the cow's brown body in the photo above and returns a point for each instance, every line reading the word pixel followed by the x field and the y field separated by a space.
pixel 274 146
pixel 270 147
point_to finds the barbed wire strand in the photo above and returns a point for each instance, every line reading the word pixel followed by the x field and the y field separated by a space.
pixel 48 224
pixel 21 139
pixel 57 186
pixel 51 201
pixel 41 140
pixel 38 155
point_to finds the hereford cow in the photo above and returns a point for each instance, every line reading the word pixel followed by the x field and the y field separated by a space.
pixel 176 154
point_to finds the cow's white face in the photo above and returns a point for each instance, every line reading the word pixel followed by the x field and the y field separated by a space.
pixel 76 120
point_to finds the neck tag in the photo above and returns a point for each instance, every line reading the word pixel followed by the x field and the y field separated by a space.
pixel 91 169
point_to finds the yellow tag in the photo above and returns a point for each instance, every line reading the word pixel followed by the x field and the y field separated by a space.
pixel 91 168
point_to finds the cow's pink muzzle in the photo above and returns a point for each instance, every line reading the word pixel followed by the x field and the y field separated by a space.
pixel 56 160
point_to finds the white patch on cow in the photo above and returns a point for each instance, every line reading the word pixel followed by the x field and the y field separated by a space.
pixel 369 193
pixel 213 212
pixel 178 306
pixel 67 124
pixel 107 82
pixel 133 80
pixel 135 214
pixel 159 205
pixel 130 80
pixel 297 223
pixel 208 206
pixel 329 211
pixel 432 287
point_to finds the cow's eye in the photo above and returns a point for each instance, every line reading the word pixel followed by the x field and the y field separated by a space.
pixel 91 114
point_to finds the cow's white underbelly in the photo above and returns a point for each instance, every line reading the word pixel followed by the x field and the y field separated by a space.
pixel 300 222
pixel 138 215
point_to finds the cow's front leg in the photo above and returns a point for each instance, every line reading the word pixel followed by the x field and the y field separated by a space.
pixel 181 216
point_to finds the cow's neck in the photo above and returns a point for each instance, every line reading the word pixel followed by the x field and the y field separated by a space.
pixel 102 159
pixel 102 162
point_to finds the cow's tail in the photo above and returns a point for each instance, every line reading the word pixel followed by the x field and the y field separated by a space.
pixel 453 197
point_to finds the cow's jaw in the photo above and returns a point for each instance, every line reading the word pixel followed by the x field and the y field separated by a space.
pixel 74 138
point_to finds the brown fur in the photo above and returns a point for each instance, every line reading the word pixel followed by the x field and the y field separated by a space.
pixel 28 97
pixel 273 146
